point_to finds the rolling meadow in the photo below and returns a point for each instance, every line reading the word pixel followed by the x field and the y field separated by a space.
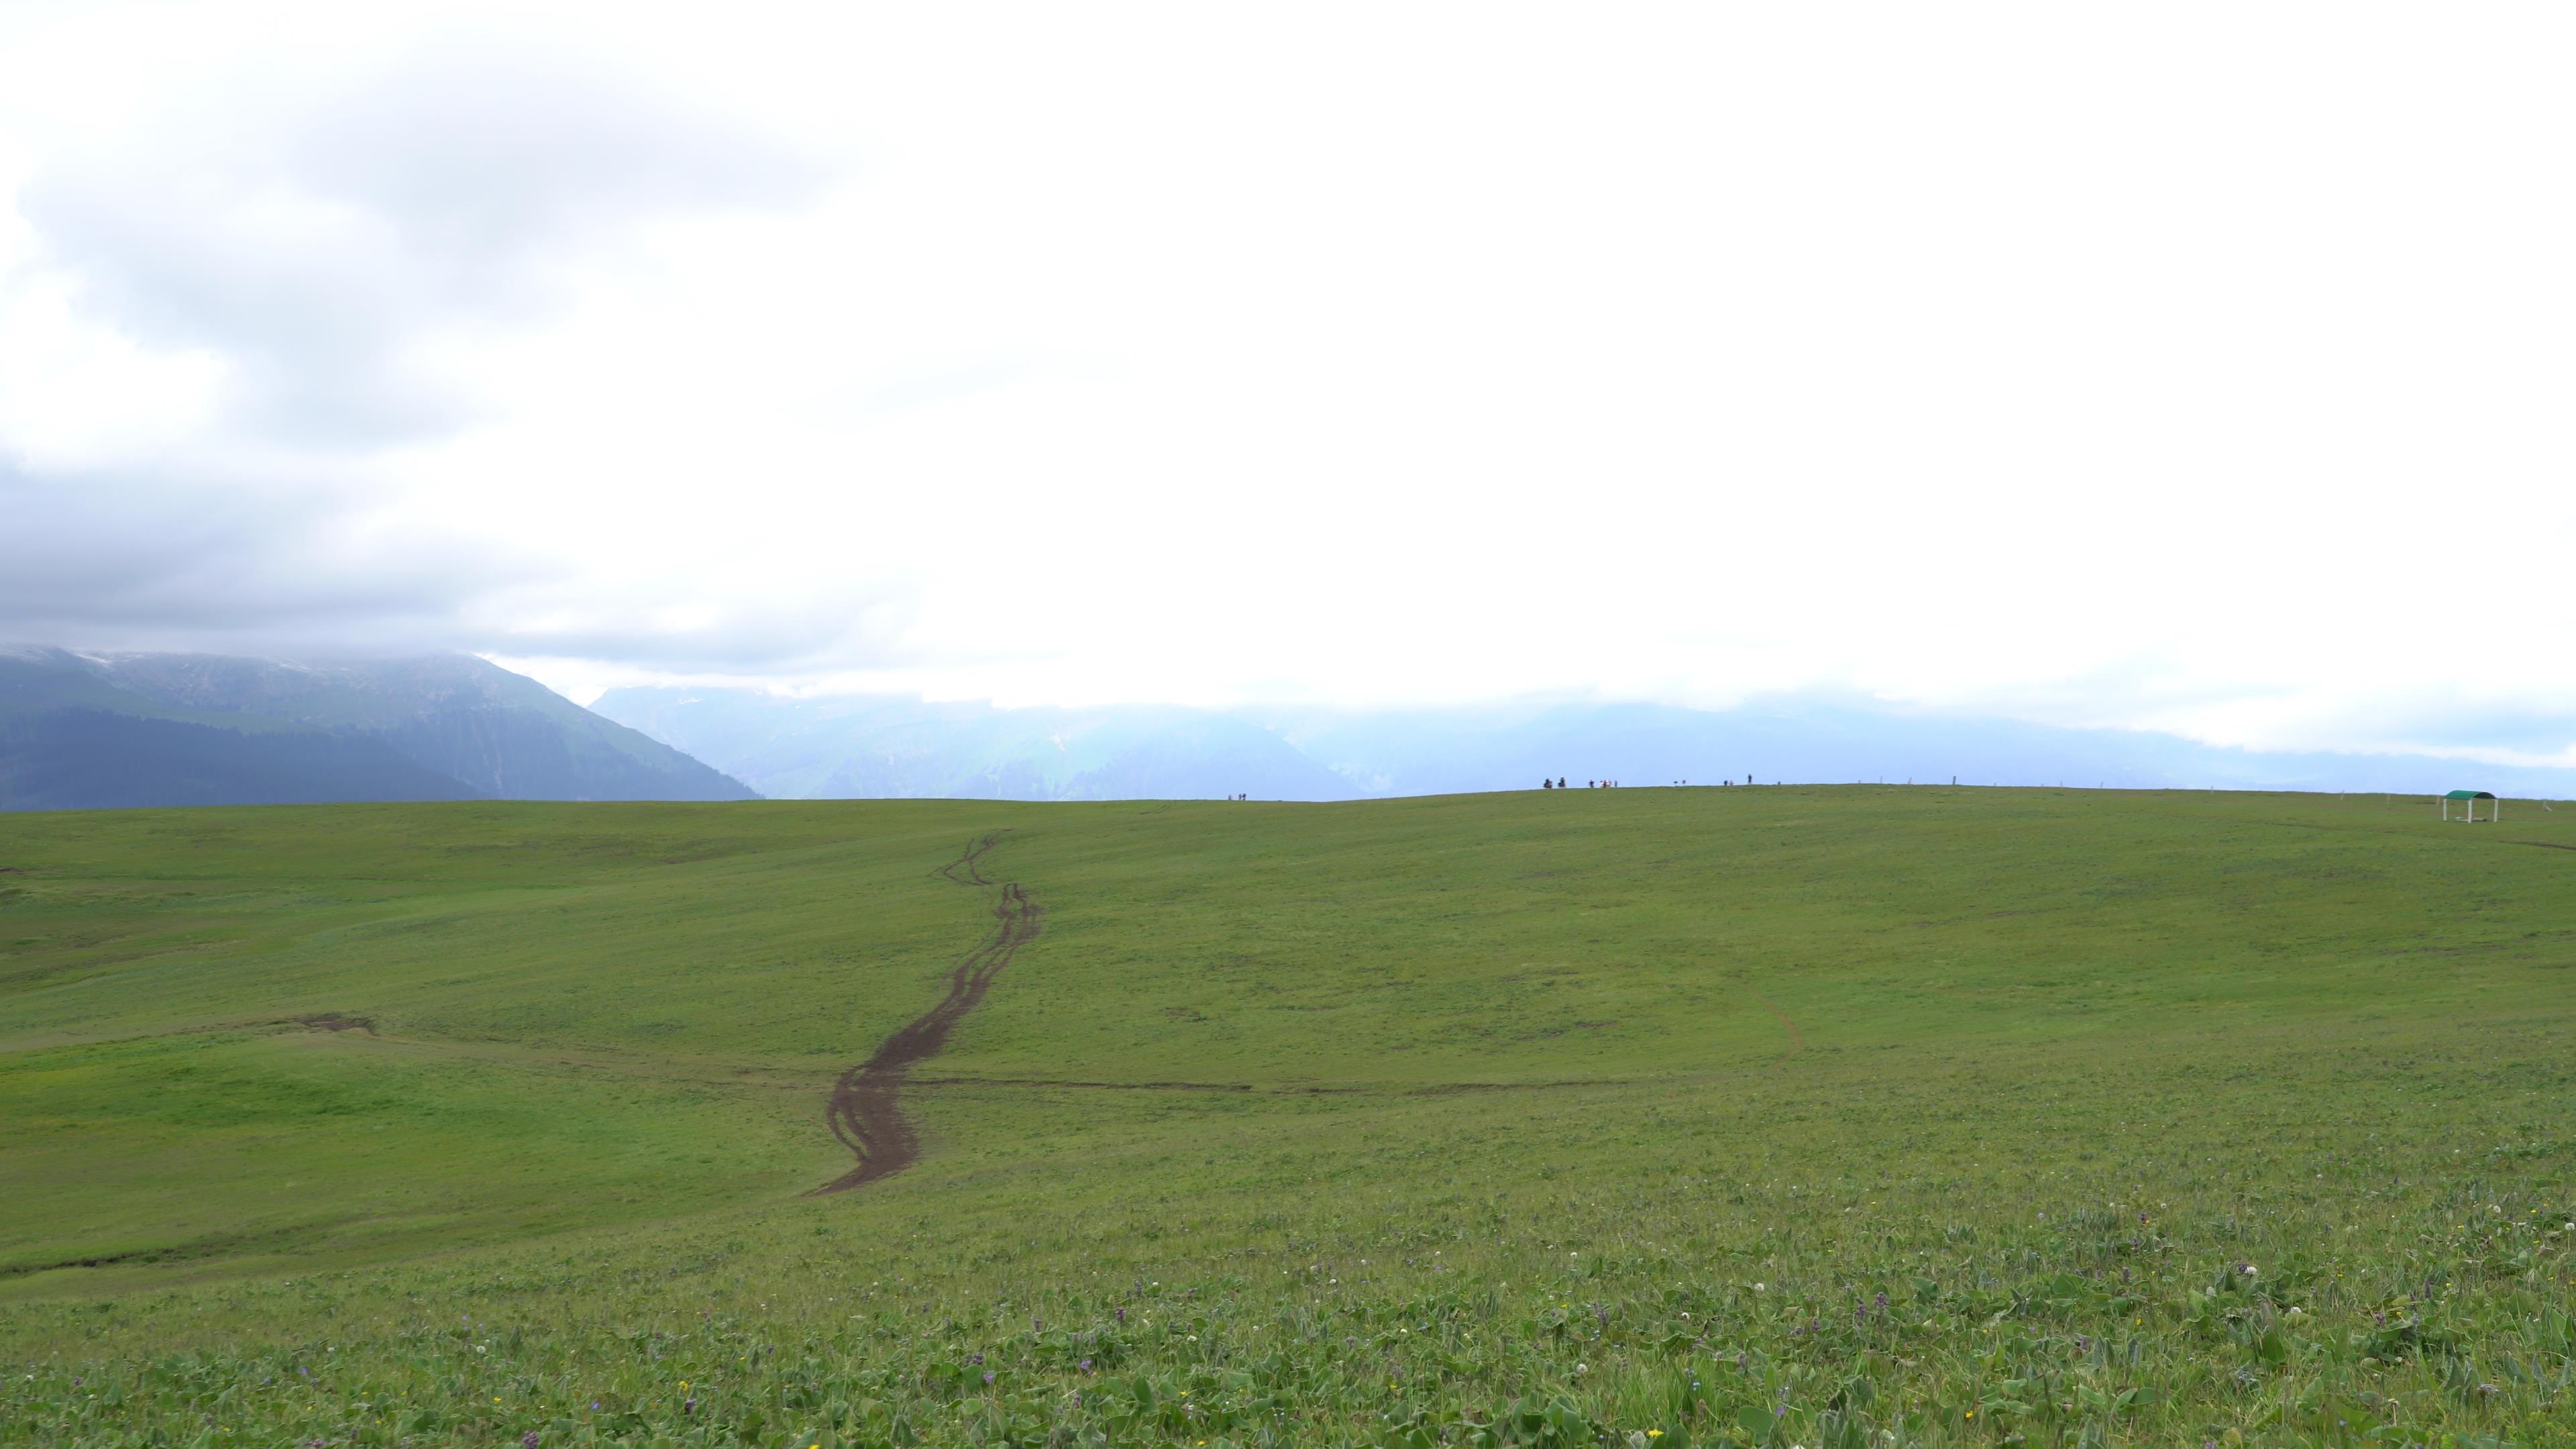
pixel 1814 1116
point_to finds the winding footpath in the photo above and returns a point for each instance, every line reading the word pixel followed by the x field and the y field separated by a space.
pixel 865 1112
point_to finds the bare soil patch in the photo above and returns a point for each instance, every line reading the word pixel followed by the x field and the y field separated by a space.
pixel 865 1110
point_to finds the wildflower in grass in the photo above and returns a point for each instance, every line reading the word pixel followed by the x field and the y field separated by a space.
pixel 528 1440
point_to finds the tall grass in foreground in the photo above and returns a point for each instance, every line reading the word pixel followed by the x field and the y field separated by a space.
pixel 2268 1239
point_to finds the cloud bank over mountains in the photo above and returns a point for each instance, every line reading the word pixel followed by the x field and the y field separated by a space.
pixel 248 312
pixel 2196 373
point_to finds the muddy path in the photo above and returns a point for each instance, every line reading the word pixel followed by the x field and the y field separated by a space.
pixel 864 1111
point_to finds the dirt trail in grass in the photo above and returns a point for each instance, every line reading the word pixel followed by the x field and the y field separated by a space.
pixel 864 1110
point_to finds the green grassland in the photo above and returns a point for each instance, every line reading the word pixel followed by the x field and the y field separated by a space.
pixel 1817 1116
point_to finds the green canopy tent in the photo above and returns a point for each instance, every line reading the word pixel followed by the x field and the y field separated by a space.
pixel 2471 798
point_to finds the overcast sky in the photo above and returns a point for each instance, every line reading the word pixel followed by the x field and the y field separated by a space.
pixel 2201 367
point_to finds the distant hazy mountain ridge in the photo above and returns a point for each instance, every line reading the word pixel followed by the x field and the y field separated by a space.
pixel 876 746
pixel 88 731
pixel 83 731
pixel 863 748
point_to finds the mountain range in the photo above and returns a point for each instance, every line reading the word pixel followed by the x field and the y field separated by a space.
pixel 82 730
pixel 88 731
pixel 884 746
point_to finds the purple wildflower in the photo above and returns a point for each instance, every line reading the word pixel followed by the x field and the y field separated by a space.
pixel 1086 1365
pixel 528 1440
pixel 988 1379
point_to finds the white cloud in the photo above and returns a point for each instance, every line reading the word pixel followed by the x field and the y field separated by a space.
pixel 2198 369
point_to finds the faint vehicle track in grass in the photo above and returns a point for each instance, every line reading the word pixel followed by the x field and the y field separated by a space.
pixel 1797 1041
pixel 864 1111
pixel 1428 1089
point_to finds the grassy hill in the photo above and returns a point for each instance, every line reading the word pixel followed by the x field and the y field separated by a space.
pixel 1807 1115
